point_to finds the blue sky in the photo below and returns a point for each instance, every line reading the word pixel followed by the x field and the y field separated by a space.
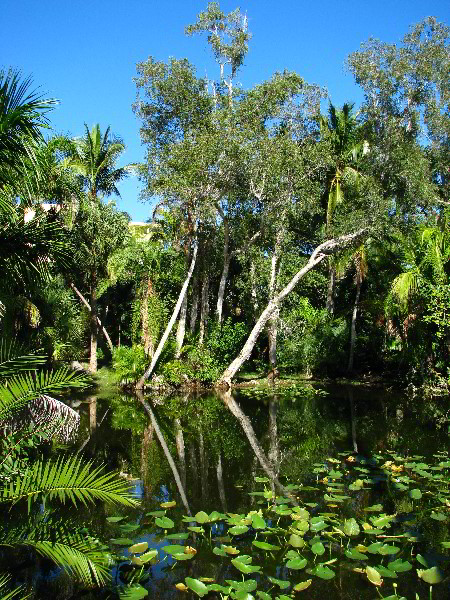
pixel 85 53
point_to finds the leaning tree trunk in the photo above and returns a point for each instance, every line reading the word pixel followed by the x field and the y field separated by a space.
pixel 353 327
pixel 94 325
pixel 88 306
pixel 170 324
pixel 181 330
pixel 320 253
pixel 166 450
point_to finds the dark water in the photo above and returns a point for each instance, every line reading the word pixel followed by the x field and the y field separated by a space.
pixel 228 449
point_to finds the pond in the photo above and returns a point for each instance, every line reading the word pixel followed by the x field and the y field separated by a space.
pixel 290 491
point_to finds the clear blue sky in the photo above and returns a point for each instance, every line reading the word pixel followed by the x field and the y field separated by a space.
pixel 85 53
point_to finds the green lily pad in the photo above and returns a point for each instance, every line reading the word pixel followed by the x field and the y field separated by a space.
pixel 258 522
pixel 386 549
pixel 196 529
pixel 263 595
pixel 355 554
pixel 173 549
pixel 243 568
pixel 323 572
pixel 133 592
pixel 114 519
pixel 265 546
pixel 297 563
pixel 400 566
pixel 164 522
pixel 196 586
pixel 129 527
pixel 202 517
pixel 318 548
pixel 178 536
pixel 386 572
pixel 296 541
pixel 248 586
pixel 238 529
pixel 431 576
pixel 182 556
pixel 373 576
pixel 281 583
pixel 374 548
pixel 156 513
pixel 438 516
pixel 303 585
pixel 415 494
pixel 351 527
pixel 150 555
pixel 121 541
pixel 137 548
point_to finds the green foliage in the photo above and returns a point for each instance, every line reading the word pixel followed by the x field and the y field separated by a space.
pixel 225 341
pixel 129 363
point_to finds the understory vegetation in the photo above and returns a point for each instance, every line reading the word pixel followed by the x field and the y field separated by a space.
pixel 288 237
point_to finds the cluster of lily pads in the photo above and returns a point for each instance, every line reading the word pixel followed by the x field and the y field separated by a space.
pixel 309 533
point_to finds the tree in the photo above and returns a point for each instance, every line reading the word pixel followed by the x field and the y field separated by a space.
pixel 94 157
pixel 98 230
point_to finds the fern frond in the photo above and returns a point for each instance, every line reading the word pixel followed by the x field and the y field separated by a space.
pixel 67 478
pixel 14 360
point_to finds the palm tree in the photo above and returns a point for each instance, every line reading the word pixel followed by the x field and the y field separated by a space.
pixel 341 130
pixel 93 157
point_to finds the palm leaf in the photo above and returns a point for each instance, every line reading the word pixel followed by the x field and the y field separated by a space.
pixel 4 581
pixel 24 388
pixel 71 479
pixel 405 285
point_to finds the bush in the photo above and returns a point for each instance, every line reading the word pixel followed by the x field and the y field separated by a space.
pixel 129 363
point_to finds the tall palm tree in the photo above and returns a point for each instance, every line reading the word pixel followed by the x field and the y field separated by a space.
pixel 343 133
pixel 94 157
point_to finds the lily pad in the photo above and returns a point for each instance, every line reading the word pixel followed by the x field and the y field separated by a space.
pixel 373 576
pixel 196 586
pixel 265 546
pixel 238 529
pixel 296 541
pixel 355 554
pixel 351 527
pixel 400 566
pixel 178 536
pixel 202 517
pixel 174 549
pixel 258 522
pixel 170 504
pixel 303 585
pixel 297 563
pixel 137 548
pixel 323 572
pixel 415 494
pixel 281 583
pixel 431 576
pixel 318 548
pixel 121 541
pixel 246 569
pixel 164 522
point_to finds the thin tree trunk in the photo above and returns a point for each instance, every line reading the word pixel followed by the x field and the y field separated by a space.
pixel 246 425
pixel 320 253
pixel 147 439
pixel 166 450
pixel 331 286
pixel 353 327
pixel 204 309
pixel 94 325
pixel 226 267
pixel 253 287
pixel 179 440
pixel 274 448
pixel 273 320
pixel 88 306
pixel 203 467
pixel 221 485
pixel 173 318
pixel 181 330
pixel 92 414
pixel 194 306
pixel 147 337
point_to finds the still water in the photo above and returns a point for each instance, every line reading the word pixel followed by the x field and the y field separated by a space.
pixel 322 468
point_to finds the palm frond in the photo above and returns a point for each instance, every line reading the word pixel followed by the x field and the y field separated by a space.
pixel 63 543
pixel 72 479
pixel 4 581
pixel 405 285
pixel 24 388
pixel 13 359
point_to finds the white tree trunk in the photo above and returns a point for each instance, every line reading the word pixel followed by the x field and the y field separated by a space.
pixel 253 286
pixel 166 450
pixel 194 306
pixel 170 324
pixel 226 267
pixel 204 309
pixel 320 253
pixel 181 327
